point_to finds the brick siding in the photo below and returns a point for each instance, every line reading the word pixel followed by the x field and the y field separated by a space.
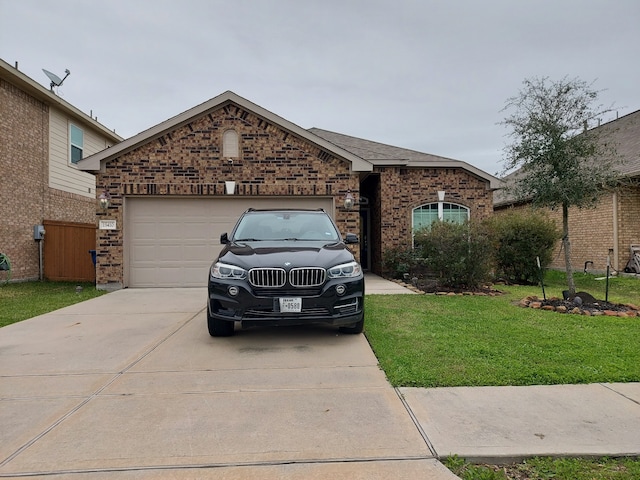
pixel 24 124
pixel 188 162
pixel 26 199
pixel 628 222
pixel 403 189
pixel 591 231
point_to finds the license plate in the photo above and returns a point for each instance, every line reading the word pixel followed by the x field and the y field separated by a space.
pixel 290 305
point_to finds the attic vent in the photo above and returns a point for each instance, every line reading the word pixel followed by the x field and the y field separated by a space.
pixel 162 141
pixel 324 156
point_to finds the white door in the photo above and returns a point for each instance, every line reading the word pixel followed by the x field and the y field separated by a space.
pixel 171 242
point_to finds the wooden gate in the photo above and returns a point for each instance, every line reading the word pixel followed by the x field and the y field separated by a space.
pixel 66 250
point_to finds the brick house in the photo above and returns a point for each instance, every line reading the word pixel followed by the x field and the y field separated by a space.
pixel 177 186
pixel 41 139
pixel 614 224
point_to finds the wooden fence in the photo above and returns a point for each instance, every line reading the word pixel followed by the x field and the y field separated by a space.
pixel 66 249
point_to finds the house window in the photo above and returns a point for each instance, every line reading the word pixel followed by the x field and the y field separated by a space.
pixel 425 215
pixel 230 147
pixel 76 141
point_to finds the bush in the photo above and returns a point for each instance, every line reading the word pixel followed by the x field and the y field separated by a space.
pixel 396 262
pixel 520 237
pixel 458 254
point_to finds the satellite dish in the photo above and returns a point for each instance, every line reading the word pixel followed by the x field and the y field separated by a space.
pixel 56 81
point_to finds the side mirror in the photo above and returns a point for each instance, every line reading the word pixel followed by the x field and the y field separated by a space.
pixel 351 238
pixel 224 238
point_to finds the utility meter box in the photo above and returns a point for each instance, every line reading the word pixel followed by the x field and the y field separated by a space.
pixel 38 232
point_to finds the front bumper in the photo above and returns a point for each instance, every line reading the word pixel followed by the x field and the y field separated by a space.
pixel 261 306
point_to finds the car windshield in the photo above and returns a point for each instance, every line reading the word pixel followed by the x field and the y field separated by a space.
pixel 291 226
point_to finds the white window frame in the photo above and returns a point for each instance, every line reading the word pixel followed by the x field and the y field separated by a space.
pixel 441 212
pixel 73 144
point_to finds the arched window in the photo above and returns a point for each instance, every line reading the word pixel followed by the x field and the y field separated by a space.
pixel 425 215
pixel 230 146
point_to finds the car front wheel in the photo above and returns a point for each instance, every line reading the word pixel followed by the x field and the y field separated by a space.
pixel 354 328
pixel 219 328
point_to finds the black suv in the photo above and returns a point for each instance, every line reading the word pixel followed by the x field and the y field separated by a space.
pixel 285 267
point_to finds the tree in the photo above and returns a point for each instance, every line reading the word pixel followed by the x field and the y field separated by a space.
pixel 563 162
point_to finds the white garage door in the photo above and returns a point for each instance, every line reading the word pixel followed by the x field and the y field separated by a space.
pixel 171 242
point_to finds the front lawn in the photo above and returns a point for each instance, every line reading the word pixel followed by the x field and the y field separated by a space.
pixel 19 301
pixel 439 341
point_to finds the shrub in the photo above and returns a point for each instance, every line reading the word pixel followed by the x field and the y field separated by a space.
pixel 458 254
pixel 398 261
pixel 520 237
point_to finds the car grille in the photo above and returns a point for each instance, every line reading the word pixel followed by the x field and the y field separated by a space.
pixel 307 277
pixel 267 277
pixel 276 277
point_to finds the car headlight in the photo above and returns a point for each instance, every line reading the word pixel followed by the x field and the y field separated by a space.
pixel 346 270
pixel 228 272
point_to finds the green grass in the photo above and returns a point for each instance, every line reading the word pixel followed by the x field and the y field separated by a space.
pixel 434 341
pixel 550 468
pixel 19 301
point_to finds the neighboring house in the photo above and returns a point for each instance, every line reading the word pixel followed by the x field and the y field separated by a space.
pixel 42 138
pixel 609 229
pixel 170 199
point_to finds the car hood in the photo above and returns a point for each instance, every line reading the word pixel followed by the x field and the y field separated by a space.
pixel 289 254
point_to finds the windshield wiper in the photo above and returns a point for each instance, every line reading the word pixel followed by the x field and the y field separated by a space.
pixel 248 240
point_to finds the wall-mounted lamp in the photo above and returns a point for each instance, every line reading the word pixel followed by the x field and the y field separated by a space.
pixel 104 200
pixel 349 200
pixel 441 195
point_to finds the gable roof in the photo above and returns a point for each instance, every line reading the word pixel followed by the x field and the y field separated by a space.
pixel 624 132
pixel 93 162
pixel 33 88
pixel 380 154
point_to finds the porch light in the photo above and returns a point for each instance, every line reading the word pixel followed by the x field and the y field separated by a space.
pixel 104 200
pixel 348 200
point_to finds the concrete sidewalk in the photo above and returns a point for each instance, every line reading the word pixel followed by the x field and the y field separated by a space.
pixel 375 285
pixel 508 424
pixel 130 385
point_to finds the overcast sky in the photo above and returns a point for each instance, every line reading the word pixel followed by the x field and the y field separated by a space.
pixel 428 75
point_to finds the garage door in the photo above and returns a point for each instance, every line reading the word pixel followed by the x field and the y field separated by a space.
pixel 171 242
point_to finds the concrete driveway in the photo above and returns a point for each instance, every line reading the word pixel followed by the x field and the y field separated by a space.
pixel 130 385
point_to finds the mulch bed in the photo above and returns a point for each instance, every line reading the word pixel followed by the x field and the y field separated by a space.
pixel 552 304
pixel 431 287
pixel 560 305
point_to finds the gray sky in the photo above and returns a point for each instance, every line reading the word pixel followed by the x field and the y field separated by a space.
pixel 422 74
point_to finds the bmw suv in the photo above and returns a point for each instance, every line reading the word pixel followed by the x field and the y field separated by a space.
pixel 285 267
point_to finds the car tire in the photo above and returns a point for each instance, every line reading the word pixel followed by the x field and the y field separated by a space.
pixel 219 328
pixel 354 329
